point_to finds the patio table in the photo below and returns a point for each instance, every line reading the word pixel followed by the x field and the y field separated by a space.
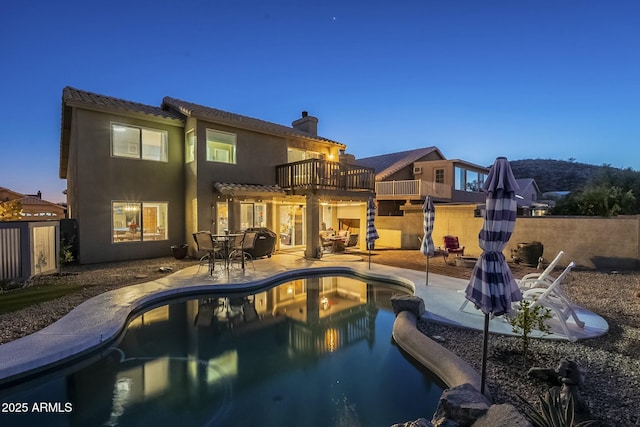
pixel 226 240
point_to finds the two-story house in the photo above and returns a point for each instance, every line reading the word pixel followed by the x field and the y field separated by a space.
pixel 141 178
pixel 404 179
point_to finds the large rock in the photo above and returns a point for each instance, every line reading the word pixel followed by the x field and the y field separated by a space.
pixel 460 406
pixel 420 422
pixel 409 303
pixel 502 415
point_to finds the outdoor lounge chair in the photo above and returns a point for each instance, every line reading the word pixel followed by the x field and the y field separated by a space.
pixel 553 299
pixel 540 280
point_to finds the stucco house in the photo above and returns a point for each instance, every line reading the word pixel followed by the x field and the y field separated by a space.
pixel 404 179
pixel 141 178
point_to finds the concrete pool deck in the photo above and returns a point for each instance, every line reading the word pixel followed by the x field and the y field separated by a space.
pixel 102 318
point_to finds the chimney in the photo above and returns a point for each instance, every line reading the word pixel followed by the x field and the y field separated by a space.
pixel 39 194
pixel 307 123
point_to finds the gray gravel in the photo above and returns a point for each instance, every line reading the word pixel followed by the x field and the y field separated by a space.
pixel 610 362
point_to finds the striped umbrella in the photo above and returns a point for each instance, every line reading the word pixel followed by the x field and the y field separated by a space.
pixel 492 287
pixel 372 233
pixel 427 248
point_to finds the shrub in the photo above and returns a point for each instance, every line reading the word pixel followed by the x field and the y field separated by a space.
pixel 527 319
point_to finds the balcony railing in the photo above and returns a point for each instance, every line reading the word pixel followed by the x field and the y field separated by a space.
pixel 316 174
pixel 412 188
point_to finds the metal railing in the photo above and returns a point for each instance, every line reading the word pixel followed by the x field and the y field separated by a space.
pixel 320 174
pixel 412 188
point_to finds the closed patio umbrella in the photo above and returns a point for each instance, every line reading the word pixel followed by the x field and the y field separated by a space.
pixel 426 247
pixel 372 233
pixel 492 287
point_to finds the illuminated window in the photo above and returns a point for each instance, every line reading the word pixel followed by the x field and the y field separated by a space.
pixel 139 221
pixel 252 215
pixel 221 146
pixel 139 143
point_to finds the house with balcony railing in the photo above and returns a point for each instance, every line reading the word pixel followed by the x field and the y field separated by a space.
pixel 141 178
pixel 404 179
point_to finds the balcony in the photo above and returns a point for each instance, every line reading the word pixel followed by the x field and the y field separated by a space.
pixel 411 189
pixel 320 175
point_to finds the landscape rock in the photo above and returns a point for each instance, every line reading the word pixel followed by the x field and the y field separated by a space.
pixel 460 406
pixel 502 415
pixel 420 422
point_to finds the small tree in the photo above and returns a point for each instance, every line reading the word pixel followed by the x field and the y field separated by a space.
pixel 527 319
pixel 10 210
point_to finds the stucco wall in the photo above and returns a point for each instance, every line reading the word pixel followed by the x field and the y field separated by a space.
pixel 104 179
pixel 591 242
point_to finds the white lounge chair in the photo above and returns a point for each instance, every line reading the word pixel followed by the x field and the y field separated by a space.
pixel 540 280
pixel 552 298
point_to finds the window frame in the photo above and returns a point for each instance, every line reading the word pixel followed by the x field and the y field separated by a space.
pixel 222 145
pixel 137 152
pixel 132 230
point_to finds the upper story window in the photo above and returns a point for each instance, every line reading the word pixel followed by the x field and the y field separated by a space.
pixel 296 155
pixel 139 143
pixel 468 180
pixel 221 146
pixel 439 176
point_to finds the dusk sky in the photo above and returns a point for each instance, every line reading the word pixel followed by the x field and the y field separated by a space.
pixel 554 79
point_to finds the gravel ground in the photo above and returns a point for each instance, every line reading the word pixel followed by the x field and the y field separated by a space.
pixel 610 362
pixel 611 366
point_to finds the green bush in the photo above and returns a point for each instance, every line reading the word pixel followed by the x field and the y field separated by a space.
pixel 527 319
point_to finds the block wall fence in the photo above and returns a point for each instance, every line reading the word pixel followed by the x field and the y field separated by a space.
pixel 591 242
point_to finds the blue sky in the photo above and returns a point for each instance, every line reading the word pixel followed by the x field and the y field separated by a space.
pixel 478 79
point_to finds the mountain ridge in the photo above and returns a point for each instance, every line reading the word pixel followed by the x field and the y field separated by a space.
pixel 560 175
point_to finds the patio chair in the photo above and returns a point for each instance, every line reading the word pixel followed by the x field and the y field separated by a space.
pixel 451 246
pixel 540 280
pixel 534 280
pixel 238 249
pixel 213 250
pixel 553 299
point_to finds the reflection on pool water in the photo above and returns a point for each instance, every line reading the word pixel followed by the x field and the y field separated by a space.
pixel 310 352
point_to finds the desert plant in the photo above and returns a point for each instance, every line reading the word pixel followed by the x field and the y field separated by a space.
pixel 553 412
pixel 526 319
pixel 66 251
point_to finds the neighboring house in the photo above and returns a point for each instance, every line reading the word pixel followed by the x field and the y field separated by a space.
pixel 404 179
pixel 141 178
pixel 528 198
pixel 34 208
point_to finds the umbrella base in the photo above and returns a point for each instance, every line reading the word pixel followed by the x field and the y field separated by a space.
pixel 466 261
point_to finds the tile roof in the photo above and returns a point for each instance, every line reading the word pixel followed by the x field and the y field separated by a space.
pixel 388 164
pixel 72 96
pixel 231 188
pixel 232 119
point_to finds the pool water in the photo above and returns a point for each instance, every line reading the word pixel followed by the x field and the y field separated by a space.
pixel 310 352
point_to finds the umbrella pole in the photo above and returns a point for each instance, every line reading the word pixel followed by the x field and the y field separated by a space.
pixel 427 282
pixel 485 338
pixel 369 258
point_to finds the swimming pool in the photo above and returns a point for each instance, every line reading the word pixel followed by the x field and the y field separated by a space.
pixel 308 352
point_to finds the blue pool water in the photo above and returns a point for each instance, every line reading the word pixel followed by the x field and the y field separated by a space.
pixel 310 352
